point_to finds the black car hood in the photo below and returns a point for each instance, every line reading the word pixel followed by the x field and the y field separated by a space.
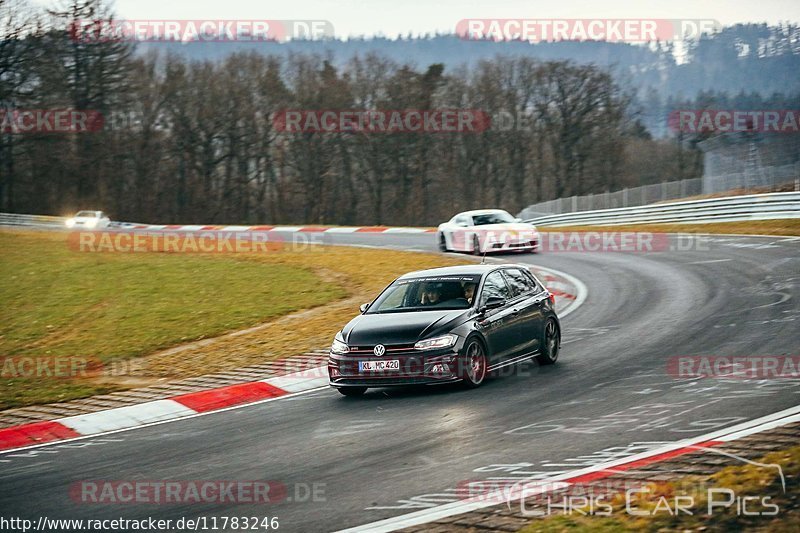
pixel 401 328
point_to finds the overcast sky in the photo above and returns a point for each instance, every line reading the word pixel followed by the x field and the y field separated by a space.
pixel 393 17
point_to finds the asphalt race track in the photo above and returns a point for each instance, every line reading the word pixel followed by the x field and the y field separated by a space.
pixel 397 451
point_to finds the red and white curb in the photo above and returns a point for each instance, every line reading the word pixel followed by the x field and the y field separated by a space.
pixel 584 475
pixel 285 229
pixel 570 292
pixel 176 407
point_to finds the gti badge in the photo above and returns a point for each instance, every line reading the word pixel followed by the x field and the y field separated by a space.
pixel 379 350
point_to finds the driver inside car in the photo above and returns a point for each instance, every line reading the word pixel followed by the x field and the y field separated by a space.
pixel 431 294
pixel 469 292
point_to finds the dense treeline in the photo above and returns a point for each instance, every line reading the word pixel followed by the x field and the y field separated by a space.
pixel 195 141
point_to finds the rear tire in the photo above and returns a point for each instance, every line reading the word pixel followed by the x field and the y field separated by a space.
pixel 551 344
pixel 473 364
pixel 352 391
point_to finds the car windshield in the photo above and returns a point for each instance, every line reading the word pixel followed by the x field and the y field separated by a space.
pixel 88 214
pixel 425 294
pixel 499 217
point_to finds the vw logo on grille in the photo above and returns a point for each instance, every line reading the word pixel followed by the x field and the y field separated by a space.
pixel 379 350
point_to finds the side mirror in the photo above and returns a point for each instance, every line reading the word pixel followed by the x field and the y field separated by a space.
pixel 493 302
pixel 363 308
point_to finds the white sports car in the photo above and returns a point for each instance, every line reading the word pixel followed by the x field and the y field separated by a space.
pixel 487 230
pixel 89 220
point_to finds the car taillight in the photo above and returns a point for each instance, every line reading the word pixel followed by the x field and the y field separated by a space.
pixel 552 298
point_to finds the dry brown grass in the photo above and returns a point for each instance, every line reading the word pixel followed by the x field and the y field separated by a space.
pixel 361 272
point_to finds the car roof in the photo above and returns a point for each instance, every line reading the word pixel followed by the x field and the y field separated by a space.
pixel 453 270
pixel 481 212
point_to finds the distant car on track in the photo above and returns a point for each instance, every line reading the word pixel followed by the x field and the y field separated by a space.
pixel 446 325
pixel 88 220
pixel 487 230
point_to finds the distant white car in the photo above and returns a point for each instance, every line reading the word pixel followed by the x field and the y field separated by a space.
pixel 89 220
pixel 487 230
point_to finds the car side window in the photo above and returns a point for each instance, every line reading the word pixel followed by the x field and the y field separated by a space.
pixel 537 287
pixel 463 220
pixel 519 283
pixel 495 285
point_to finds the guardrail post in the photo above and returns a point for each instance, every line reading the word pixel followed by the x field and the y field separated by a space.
pixel 625 197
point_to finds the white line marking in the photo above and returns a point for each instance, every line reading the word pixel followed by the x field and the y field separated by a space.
pixel 580 289
pixel 709 261
pixel 784 297
pixel 425 516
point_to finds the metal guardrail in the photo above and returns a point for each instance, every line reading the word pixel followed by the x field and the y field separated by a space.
pixel 728 209
pixel 47 221
pixel 12 219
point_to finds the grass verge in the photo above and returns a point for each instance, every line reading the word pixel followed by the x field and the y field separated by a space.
pixel 59 303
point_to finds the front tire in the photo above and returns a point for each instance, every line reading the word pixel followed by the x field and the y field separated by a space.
pixel 473 364
pixel 551 344
pixel 443 243
pixel 352 391
pixel 476 245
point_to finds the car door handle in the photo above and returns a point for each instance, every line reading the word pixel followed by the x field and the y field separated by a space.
pixel 514 312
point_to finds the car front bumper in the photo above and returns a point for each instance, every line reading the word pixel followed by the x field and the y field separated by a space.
pixel 414 369
pixel 511 245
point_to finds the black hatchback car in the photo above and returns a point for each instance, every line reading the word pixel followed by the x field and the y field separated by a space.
pixel 445 325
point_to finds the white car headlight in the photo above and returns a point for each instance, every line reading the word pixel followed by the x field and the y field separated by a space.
pixel 445 341
pixel 339 346
pixel 70 222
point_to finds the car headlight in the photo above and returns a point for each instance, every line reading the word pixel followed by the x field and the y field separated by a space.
pixel 339 346
pixel 445 341
pixel 70 222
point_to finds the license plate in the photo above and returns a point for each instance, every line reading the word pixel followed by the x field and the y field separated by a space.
pixel 378 366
